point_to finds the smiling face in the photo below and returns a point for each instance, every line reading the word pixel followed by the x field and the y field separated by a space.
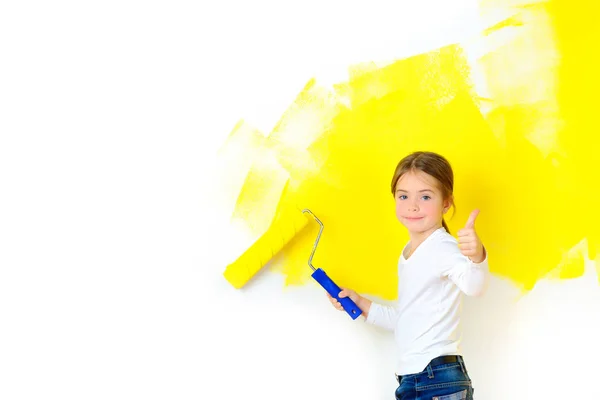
pixel 420 205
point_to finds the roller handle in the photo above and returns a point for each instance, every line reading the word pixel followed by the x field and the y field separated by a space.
pixel 334 290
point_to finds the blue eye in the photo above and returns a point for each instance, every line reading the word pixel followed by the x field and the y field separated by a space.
pixel 403 197
pixel 426 197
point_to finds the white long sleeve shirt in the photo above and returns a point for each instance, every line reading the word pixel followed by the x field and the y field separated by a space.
pixel 426 319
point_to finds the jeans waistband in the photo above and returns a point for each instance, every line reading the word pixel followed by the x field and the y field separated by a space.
pixel 448 359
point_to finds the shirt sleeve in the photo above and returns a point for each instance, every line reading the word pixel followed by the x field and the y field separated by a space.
pixel 471 278
pixel 382 316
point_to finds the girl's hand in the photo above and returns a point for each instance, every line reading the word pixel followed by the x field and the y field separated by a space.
pixel 469 243
pixel 355 297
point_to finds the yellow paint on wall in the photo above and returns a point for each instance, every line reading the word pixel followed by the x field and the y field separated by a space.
pixel 577 34
pixel 543 82
pixel 528 161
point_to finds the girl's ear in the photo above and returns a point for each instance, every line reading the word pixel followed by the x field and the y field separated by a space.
pixel 447 204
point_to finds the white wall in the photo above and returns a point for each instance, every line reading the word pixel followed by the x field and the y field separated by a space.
pixel 112 246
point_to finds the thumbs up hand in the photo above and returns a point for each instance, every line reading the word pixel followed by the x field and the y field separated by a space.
pixel 468 241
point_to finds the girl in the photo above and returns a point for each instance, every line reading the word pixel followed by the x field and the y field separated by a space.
pixel 434 272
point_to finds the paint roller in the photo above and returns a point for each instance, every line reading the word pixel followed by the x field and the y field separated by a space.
pixel 326 282
pixel 281 232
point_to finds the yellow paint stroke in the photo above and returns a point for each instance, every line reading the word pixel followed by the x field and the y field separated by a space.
pixel 577 35
pixel 266 201
pixel 527 161
pixel 544 84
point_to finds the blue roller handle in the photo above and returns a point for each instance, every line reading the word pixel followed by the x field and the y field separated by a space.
pixel 334 290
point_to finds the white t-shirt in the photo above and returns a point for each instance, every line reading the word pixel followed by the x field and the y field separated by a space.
pixel 426 319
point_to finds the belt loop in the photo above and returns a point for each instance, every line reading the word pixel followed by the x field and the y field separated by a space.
pixel 429 371
pixel 462 365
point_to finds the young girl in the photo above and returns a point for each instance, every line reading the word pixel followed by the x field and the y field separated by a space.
pixel 434 272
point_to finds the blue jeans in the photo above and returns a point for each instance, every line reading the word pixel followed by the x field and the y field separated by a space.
pixel 443 382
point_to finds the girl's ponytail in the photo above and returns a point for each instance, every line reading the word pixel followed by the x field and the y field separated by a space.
pixel 445 225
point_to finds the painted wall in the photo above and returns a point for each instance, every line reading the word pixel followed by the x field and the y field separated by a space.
pixel 516 152
pixel 116 223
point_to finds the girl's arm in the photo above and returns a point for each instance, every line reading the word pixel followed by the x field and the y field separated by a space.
pixel 382 316
pixel 374 313
pixel 471 278
pixel 467 267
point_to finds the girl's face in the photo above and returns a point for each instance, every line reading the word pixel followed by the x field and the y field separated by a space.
pixel 420 205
